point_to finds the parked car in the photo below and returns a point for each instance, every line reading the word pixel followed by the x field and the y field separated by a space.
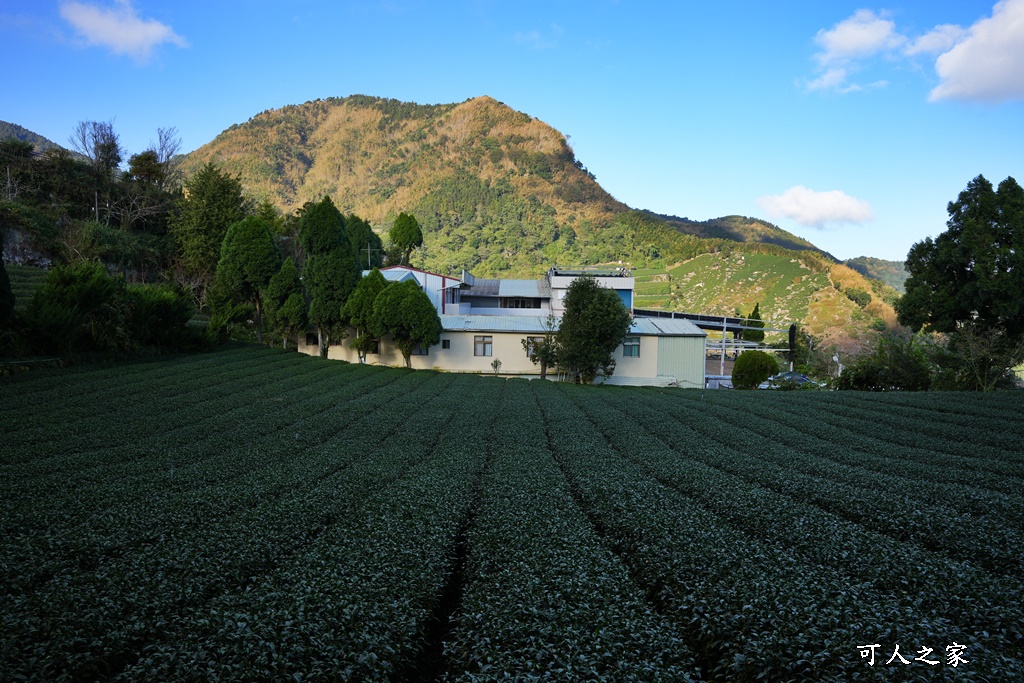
pixel 790 380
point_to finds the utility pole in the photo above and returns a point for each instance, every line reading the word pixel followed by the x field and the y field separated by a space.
pixel 368 250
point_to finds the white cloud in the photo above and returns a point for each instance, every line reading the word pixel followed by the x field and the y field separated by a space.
pixel 988 64
pixel 939 39
pixel 815 209
pixel 846 44
pixel 119 28
pixel 862 35
pixel 538 40
pixel 831 79
pixel 982 63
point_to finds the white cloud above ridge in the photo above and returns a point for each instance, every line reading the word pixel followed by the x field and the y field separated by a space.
pixel 119 28
pixel 987 65
pixel 817 209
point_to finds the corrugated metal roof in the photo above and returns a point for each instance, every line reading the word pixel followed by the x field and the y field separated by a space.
pixel 482 287
pixel 666 327
pixel 527 288
pixel 494 323
pixel 394 275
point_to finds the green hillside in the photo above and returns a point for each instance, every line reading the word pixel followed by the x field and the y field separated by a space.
pixel 13 130
pixel 892 273
pixel 742 229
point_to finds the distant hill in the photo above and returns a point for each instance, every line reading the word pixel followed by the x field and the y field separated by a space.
pixel 13 130
pixel 502 194
pixel 742 229
pixel 892 273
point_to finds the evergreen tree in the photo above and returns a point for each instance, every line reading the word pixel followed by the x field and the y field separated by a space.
pixel 249 259
pixel 973 273
pixel 405 313
pixel 594 324
pixel 969 281
pixel 212 202
pixel 331 271
pixel 286 305
pixel 362 237
pixel 358 311
pixel 406 235
pixel 754 321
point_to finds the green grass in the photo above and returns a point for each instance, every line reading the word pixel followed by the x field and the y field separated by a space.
pixel 254 514
pixel 643 273
pixel 652 288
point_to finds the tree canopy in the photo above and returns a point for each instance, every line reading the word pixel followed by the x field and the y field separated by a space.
pixel 212 202
pixel 752 368
pixel 358 311
pixel 331 271
pixel 286 305
pixel 249 258
pixel 543 350
pixel 321 228
pixel 405 313
pixel 969 283
pixel 756 334
pixel 974 271
pixel 362 237
pixel 406 235
pixel 594 324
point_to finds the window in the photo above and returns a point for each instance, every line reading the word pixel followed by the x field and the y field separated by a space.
pixel 374 348
pixel 631 347
pixel 482 345
pixel 532 343
pixel 311 339
pixel 419 351
pixel 519 302
pixel 446 343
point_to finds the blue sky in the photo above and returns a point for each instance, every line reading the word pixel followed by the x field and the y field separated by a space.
pixel 850 124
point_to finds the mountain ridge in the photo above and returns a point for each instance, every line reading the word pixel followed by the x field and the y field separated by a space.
pixel 502 194
pixel 41 143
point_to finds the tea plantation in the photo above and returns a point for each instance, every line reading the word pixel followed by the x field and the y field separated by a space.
pixel 254 514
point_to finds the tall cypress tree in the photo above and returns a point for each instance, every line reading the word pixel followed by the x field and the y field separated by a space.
pixel 331 271
pixel 754 321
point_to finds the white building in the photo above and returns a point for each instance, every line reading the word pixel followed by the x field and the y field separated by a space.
pixel 487 320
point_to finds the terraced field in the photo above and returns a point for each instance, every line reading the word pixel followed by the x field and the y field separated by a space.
pixel 25 280
pixel 253 514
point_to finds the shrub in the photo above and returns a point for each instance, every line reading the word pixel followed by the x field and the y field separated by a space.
pixel 160 317
pixel 858 296
pixel 895 365
pixel 752 368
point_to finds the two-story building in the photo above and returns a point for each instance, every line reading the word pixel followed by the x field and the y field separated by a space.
pixel 487 320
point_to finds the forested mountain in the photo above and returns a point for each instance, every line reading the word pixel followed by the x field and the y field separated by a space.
pixel 892 273
pixel 502 194
pixel 13 130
